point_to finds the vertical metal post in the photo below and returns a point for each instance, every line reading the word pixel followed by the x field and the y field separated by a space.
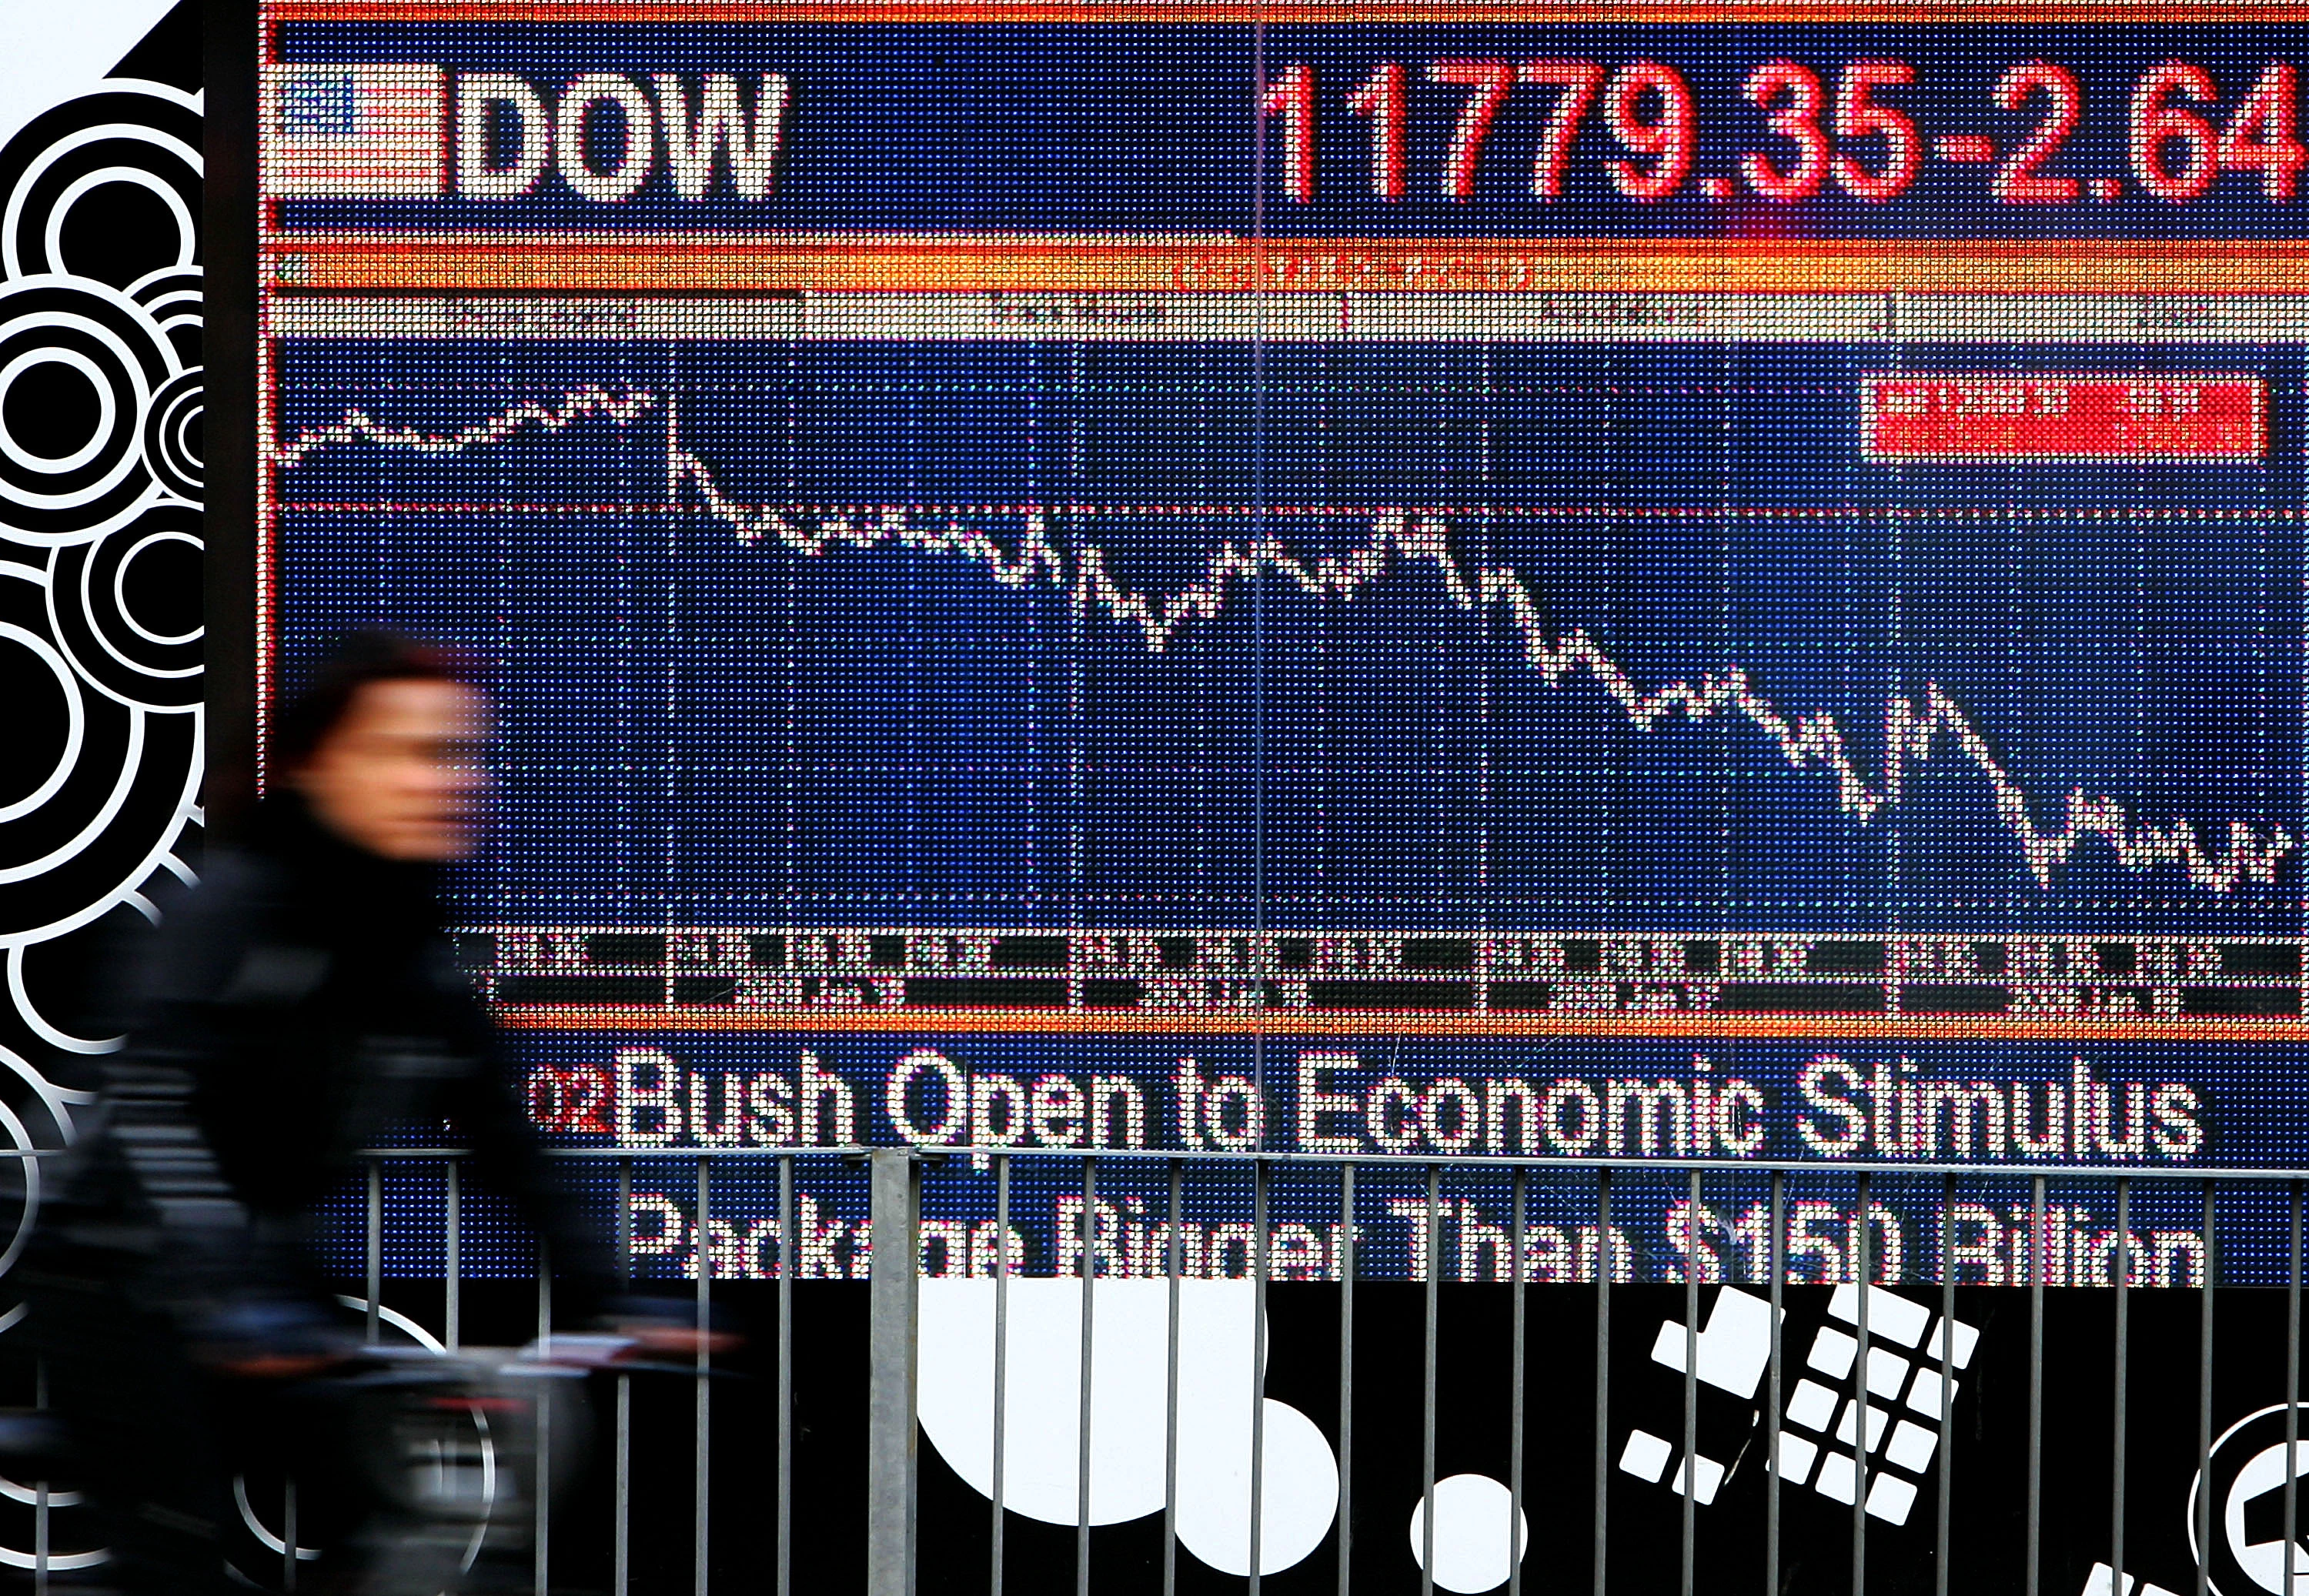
pixel 1089 1266
pixel 40 1493
pixel 1173 1263
pixel 1691 1473
pixel 1861 1273
pixel 891 1330
pixel 453 1244
pixel 1427 1383
pixel 2292 1383
pixel 622 1505
pixel 1001 1359
pixel 702 1499
pixel 2204 1504
pixel 1776 1268
pixel 624 1221
pixel 2030 1572
pixel 1346 1373
pixel 288 1534
pixel 373 1275
pixel 1515 1207
pixel 622 1444
pixel 1602 1371
pixel 787 1256
pixel 541 1486
pixel 621 1552
pixel 1258 1359
pixel 2122 1263
pixel 1948 1390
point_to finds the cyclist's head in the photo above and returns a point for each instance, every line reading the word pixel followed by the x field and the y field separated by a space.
pixel 386 745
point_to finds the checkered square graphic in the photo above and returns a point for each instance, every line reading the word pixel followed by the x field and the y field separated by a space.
pixel 1734 1347
pixel 1825 1431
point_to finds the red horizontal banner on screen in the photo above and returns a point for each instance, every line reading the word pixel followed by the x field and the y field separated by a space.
pixel 513 264
pixel 2057 418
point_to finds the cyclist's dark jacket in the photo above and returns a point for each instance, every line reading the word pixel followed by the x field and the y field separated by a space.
pixel 303 1005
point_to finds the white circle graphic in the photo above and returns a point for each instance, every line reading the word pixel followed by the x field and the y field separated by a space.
pixel 108 409
pixel 120 593
pixel 1129 1412
pixel 1298 1489
pixel 76 723
pixel 187 231
pixel 2264 1561
pixel 1471 1533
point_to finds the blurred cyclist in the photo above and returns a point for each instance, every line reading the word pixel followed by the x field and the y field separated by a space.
pixel 301 1005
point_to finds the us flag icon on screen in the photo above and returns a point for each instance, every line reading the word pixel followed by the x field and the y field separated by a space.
pixel 356 133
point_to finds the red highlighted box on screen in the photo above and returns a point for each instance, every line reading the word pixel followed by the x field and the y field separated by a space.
pixel 2058 418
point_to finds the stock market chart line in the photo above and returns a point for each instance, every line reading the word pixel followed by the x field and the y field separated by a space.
pixel 1912 727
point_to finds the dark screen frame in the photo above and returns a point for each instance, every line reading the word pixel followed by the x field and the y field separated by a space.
pixel 228 223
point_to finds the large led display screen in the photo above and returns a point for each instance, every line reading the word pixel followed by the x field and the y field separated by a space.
pixel 1336 586
pixel 1155 588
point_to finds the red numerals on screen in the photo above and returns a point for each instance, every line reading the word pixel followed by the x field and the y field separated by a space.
pixel 1381 100
pixel 1789 95
pixel 578 1101
pixel 1292 98
pixel 2172 147
pixel 2261 136
pixel 1577 81
pixel 1859 116
pixel 1649 111
pixel 1848 133
pixel 2061 101
pixel 1489 82
pixel 2175 152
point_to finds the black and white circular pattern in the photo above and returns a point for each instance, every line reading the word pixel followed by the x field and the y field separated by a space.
pixel 101 613
pixel 106 187
pixel 172 436
pixel 126 608
pixel 171 297
pixel 100 595
pixel 80 364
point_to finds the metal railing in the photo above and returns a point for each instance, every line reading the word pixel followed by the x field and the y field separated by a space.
pixel 897 1180
pixel 899 1173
